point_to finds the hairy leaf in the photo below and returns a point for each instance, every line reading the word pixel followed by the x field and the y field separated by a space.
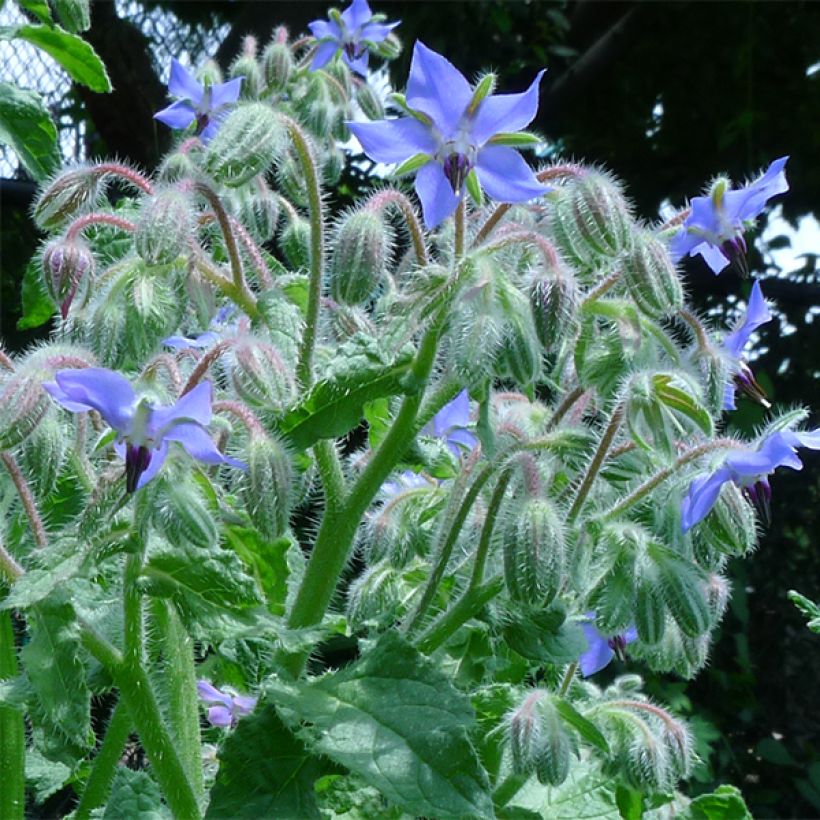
pixel 134 796
pixel 26 126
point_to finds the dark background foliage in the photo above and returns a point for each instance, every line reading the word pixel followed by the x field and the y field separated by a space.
pixel 731 81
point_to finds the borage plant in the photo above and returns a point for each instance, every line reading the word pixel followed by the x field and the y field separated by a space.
pixel 345 515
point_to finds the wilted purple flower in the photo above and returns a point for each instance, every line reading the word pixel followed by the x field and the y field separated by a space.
pixel 714 228
pixel 220 325
pixel 453 132
pixel 450 424
pixel 204 105
pixel 602 649
pixel 350 34
pixel 143 429
pixel 757 314
pixel 408 480
pixel 749 470
pixel 225 708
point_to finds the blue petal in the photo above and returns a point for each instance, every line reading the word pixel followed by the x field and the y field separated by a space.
pixel 193 406
pixel 356 14
pixel 598 654
pixel 757 314
pixel 505 176
pixel 183 84
pixel 455 413
pixel 324 54
pixel 505 112
pixel 778 450
pixel 436 194
pixel 158 457
pixel 438 89
pixel 702 495
pixel 712 255
pixel 729 393
pixel 210 694
pixel 393 140
pixel 227 93
pixel 325 29
pixel 748 202
pixel 96 388
pixel 376 32
pixel 460 441
pixel 220 716
pixel 210 130
pixel 357 64
pixel 808 438
pixel 177 115
pixel 199 445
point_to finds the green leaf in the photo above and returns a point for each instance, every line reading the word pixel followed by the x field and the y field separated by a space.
pixel 474 188
pixel 630 803
pixel 724 803
pixel 265 772
pixel 26 126
pixel 55 669
pixel 807 607
pixel 37 584
pixel 76 56
pixel 39 8
pixel 536 636
pixel 396 721
pixel 377 416
pixel 681 401
pixel 268 562
pixel 359 374
pixel 44 776
pixel 38 306
pixel 134 796
pixel 588 730
pixel 515 139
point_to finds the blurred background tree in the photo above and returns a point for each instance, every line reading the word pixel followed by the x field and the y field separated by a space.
pixel 665 95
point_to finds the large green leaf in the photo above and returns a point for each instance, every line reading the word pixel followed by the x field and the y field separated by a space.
pixel 26 126
pixel 724 803
pixel 360 373
pixel 134 796
pixel 38 306
pixel 56 671
pixel 265 772
pixel 544 636
pixel 396 721
pixel 267 559
pixel 76 56
pixel 37 584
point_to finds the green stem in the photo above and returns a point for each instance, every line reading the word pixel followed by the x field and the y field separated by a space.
pixel 661 476
pixel 487 530
pixel 469 605
pixel 330 469
pixel 230 240
pixel 570 674
pixel 304 368
pixel 508 789
pixel 12 733
pixel 461 230
pixel 564 407
pixel 179 684
pixel 240 296
pixel 105 762
pixel 597 462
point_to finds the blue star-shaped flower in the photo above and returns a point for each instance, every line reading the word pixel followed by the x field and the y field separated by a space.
pixel 453 131
pixel 714 228
pixel 601 649
pixel 225 708
pixel 350 35
pixel 204 105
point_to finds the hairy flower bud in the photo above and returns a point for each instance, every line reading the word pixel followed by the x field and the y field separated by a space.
pixel 524 732
pixel 176 166
pixel 520 354
pixel 267 489
pixel 332 164
pixel 69 193
pixel 182 515
pixel 246 66
pixel 284 322
pixel 369 102
pixel 66 263
pixel 43 453
pixel 23 404
pixel 534 552
pixel 163 227
pixel 294 242
pixel 553 303
pixel 260 375
pixel 650 276
pixel 257 208
pixel 730 528
pixel 375 596
pixel 210 73
pixel 681 583
pixel 476 342
pixel 360 252
pixel 245 145
pixel 389 48
pixel 591 219
pixel 74 15
pixel 650 609
pixel 554 748
pixel 277 65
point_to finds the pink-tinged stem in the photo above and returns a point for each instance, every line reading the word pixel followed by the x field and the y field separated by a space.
pixel 27 497
pixel 79 225
pixel 126 173
pixel 6 361
pixel 204 364
pixel 235 408
pixel 677 219
pixel 390 196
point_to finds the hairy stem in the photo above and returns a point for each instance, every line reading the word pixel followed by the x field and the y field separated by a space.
pixel 227 233
pixel 461 229
pixel 38 529
pixel 105 762
pixel 124 172
pixel 390 196
pixel 483 550
pixel 78 225
pixel 12 733
pixel 568 677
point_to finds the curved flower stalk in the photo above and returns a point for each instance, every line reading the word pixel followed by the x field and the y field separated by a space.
pixel 601 648
pixel 749 470
pixel 714 228
pixel 224 708
pixel 350 33
pixel 757 314
pixel 143 429
pixel 455 136
pixel 204 105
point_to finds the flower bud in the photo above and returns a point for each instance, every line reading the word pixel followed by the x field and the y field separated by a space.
pixel 730 528
pixel 554 749
pixel 370 103
pixel 23 404
pixel 210 73
pixel 43 453
pixel 181 514
pixel 246 66
pixel 277 65
pixel 648 765
pixel 476 342
pixel 69 193
pixel 650 277
pixel 267 491
pixel 175 167
pixel 74 15
pixel 163 227
pixel 290 179
pixel 682 587
pixel 389 48
pixel 591 219
pixel 66 262
pixel 294 242
pixel 650 609
pixel 520 353
pixel 524 732
pixel 361 249
pixel 718 591
pixel 375 596
pixel 257 208
pixel 332 164
pixel 534 552
pixel 553 303
pixel 245 145
pixel 260 376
